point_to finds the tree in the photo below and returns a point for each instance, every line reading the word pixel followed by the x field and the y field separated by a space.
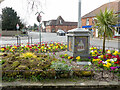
pixel 105 22
pixel 10 19
pixel 35 26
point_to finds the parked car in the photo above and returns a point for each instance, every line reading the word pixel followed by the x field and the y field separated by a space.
pixel 60 33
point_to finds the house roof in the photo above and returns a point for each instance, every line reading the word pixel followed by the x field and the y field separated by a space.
pixel 60 21
pixel 115 6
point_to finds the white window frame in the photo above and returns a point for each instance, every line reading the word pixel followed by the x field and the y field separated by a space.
pixel 87 21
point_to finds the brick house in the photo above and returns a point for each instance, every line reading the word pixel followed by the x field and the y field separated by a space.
pixel 88 19
pixel 59 23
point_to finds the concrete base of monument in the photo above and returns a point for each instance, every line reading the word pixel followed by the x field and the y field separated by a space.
pixel 84 63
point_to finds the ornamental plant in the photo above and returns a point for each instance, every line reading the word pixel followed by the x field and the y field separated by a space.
pixel 105 22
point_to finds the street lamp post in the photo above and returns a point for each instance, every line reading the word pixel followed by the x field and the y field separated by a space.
pixel 79 14
pixel 39 18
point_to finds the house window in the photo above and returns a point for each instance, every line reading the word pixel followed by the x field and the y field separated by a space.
pixel 93 20
pixel 87 21
pixel 60 21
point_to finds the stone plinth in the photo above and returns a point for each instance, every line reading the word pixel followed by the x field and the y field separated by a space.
pixel 78 41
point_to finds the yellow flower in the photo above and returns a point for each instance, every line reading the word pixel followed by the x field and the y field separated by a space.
pixel 112 61
pixel 49 48
pixel 69 57
pixel 101 56
pixel 95 48
pixel 65 46
pixel 11 50
pixel 98 60
pixel 65 55
pixel 108 60
pixel 109 64
pixel 25 46
pixel 61 47
pixel 51 45
pixel 29 55
pixel 91 48
pixel 57 47
pixel 15 47
pixel 21 49
pixel 94 60
pixel 78 57
pixel 42 47
pixel 2 49
pixel 115 53
pixel 95 51
pixel 54 47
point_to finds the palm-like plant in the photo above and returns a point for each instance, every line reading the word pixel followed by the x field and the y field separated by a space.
pixel 105 22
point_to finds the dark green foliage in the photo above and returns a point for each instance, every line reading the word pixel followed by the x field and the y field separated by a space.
pixel 10 19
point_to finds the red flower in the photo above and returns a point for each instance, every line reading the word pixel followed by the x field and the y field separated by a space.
pixel 113 56
pixel 110 55
pixel 27 45
pixel 117 56
pixel 71 57
pixel 104 56
pixel 116 62
pixel 30 47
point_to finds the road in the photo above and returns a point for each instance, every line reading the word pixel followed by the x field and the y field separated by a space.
pixel 48 37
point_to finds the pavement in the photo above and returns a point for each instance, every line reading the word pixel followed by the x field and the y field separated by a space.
pixel 62 83
pixel 26 37
pixel 47 37
pixel 113 40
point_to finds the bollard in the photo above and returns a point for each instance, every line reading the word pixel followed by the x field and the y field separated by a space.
pixel 28 40
pixel 31 40
pixel 17 40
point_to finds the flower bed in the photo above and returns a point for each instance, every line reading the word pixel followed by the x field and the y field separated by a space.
pixel 109 61
pixel 39 66
pixel 36 48
pixel 40 61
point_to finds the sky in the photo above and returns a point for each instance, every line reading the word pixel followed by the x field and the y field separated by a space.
pixel 68 9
